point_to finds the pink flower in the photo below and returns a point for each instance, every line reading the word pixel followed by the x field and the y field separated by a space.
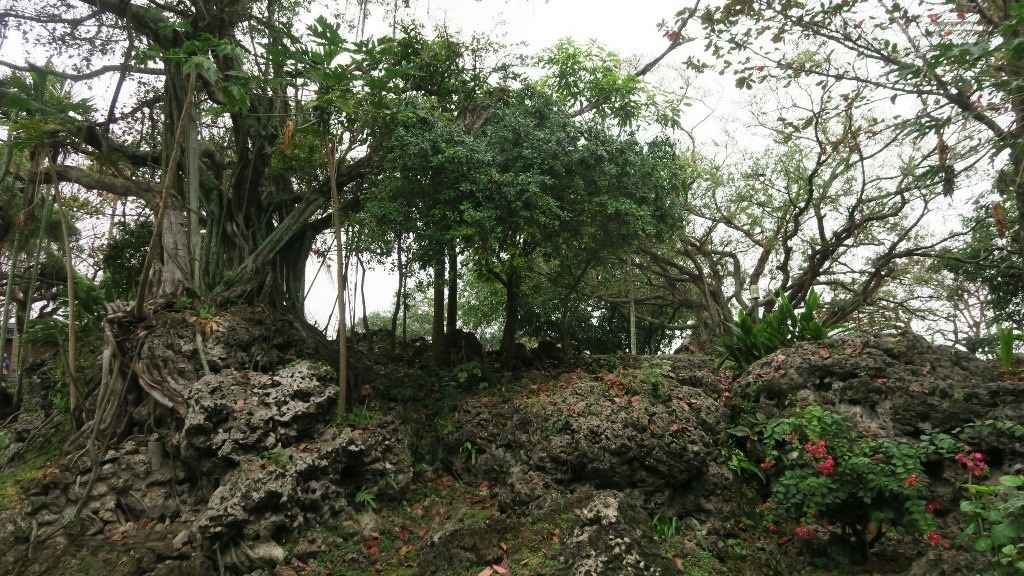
pixel 767 464
pixel 911 480
pixel 817 450
pixel 805 532
pixel 773 528
pixel 973 461
pixel 826 467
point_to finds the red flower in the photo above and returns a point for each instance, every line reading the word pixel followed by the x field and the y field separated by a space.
pixel 826 467
pixel 817 450
pixel 934 537
pixel 767 464
pixel 805 532
pixel 911 480
pixel 931 507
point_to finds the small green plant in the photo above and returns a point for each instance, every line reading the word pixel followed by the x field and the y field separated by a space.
pixel 365 498
pixel 278 457
pixel 740 464
pixel 470 372
pixel 445 427
pixel 654 377
pixel 205 311
pixel 360 416
pixel 996 523
pixel 750 341
pixel 469 450
pixel 183 303
pixel 703 564
pixel 559 425
pixel 666 528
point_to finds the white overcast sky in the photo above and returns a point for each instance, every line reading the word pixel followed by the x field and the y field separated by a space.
pixel 627 27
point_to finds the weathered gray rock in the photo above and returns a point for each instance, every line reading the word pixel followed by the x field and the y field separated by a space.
pixel 233 415
pixel 633 432
pixel 463 547
pixel 267 499
pixel 612 536
pixel 895 386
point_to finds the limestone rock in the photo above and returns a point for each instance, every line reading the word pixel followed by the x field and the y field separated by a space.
pixel 235 414
pixel 612 537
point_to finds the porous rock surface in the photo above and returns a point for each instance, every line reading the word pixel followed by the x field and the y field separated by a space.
pixel 612 536
pixel 604 448
pixel 896 386
pixel 257 459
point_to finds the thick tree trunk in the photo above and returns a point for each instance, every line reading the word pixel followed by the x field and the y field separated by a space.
pixel 1017 161
pixel 508 334
pixel 172 274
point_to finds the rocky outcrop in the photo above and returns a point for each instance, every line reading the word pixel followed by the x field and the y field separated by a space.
pixel 258 458
pixel 896 386
pixel 543 475
pixel 626 429
pixel 232 415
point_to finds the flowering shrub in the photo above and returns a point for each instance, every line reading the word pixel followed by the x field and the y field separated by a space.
pixel 825 475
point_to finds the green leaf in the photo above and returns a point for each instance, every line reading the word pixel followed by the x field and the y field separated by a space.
pixel 1009 531
pixel 983 544
pixel 1013 481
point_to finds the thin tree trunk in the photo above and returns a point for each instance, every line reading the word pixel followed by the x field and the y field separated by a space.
pixel 398 294
pixel 77 410
pixel 342 328
pixel 362 294
pixel 437 343
pixel 632 306
pixel 8 294
pixel 31 287
pixel 452 318
pixel 195 238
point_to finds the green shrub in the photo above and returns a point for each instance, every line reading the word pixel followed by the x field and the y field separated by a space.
pixel 822 472
pixel 996 523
